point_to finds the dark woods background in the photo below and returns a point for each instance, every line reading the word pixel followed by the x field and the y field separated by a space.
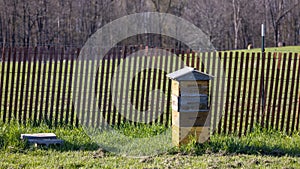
pixel 230 24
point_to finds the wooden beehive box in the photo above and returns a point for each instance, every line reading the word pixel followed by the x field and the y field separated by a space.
pixel 190 107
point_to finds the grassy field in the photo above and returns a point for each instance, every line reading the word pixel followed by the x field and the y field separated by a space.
pixel 87 159
pixel 260 149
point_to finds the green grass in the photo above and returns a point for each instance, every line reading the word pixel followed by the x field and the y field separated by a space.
pixel 140 130
pixel 84 159
pixel 259 149
pixel 258 142
pixel 75 138
pixel 295 49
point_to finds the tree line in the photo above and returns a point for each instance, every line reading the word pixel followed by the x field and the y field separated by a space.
pixel 229 24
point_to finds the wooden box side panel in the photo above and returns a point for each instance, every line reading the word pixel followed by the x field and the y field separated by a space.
pixel 175 135
pixel 175 103
pixel 183 135
pixel 175 88
pixel 194 104
pixel 189 119
pixel 189 103
pixel 188 88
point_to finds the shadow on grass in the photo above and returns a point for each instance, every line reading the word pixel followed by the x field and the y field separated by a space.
pixel 69 146
pixel 258 142
pixel 243 148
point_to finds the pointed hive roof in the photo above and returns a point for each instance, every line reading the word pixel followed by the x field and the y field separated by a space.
pixel 188 74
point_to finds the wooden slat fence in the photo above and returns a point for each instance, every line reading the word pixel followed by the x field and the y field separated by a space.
pixel 51 85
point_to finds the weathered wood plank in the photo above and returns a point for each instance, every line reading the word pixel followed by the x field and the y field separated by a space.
pixel 38 136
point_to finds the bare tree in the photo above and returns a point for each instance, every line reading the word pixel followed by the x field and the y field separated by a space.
pixel 229 24
pixel 236 5
pixel 210 16
pixel 278 11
